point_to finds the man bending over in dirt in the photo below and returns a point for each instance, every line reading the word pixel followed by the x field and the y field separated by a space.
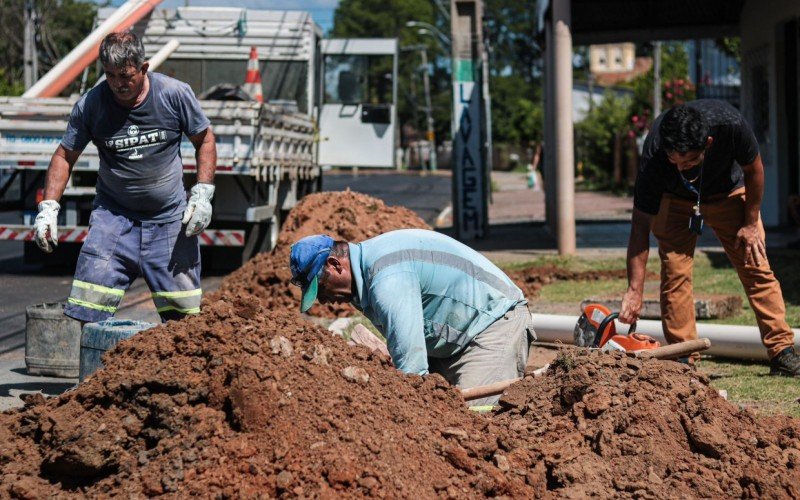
pixel 443 307
pixel 701 164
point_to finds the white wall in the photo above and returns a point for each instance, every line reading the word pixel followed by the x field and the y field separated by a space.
pixel 760 20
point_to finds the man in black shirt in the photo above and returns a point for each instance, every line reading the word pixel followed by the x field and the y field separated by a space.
pixel 701 166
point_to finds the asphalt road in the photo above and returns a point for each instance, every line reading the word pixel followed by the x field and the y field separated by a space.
pixel 23 285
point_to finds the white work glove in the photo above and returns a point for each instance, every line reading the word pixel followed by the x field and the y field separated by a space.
pixel 198 209
pixel 46 225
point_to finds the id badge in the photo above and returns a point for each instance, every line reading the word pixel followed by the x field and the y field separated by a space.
pixel 696 224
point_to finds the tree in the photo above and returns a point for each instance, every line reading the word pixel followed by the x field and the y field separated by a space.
pixel 515 73
pixel 674 72
pixel 514 62
pixel 510 25
pixel 517 115
pixel 62 25
pixel 595 135
pixel 387 19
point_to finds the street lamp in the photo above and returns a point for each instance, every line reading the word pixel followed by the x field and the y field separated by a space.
pixel 430 135
pixel 432 29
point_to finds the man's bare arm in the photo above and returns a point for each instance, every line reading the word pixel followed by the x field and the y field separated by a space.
pixel 749 235
pixel 58 172
pixel 205 155
pixel 638 251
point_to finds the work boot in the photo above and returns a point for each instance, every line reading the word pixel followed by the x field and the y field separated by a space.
pixel 786 363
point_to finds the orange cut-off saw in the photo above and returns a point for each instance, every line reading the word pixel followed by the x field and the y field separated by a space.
pixel 596 329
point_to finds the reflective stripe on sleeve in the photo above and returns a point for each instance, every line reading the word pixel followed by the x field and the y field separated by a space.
pixel 184 301
pixel 446 259
pixel 93 296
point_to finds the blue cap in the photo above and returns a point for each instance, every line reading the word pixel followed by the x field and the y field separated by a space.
pixel 307 260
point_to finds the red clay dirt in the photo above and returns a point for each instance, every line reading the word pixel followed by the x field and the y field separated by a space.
pixel 240 401
pixel 343 215
pixel 609 425
pixel 250 400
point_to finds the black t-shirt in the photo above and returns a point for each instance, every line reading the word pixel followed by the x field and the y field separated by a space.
pixel 734 145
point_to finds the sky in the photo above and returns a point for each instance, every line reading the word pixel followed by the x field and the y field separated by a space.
pixel 321 10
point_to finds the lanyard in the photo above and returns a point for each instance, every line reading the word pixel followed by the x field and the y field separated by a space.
pixel 694 190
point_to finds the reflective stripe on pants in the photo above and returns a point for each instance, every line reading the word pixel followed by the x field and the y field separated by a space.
pixel 119 250
pixel 185 302
pixel 94 296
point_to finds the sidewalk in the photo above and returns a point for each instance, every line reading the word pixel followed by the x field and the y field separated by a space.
pixel 513 201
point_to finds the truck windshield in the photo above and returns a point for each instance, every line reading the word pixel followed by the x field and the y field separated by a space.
pixel 281 80
pixel 358 79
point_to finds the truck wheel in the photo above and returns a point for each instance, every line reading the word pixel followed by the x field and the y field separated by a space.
pixel 261 237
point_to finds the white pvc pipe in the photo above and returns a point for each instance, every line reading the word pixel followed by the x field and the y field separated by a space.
pixel 727 341
pixel 162 55
pixel 81 55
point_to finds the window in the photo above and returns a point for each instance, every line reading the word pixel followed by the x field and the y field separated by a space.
pixel 358 79
pixel 617 57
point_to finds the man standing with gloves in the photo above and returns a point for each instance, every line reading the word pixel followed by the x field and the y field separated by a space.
pixel 136 119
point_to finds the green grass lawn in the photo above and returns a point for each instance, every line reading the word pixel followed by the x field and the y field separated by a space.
pixel 747 383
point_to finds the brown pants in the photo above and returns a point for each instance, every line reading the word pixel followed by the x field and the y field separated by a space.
pixel 676 246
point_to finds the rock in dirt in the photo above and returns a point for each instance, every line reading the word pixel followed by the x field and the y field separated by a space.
pixel 356 374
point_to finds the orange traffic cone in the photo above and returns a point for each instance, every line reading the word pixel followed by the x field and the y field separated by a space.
pixel 252 82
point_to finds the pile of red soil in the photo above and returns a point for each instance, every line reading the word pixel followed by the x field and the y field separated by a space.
pixel 343 215
pixel 240 401
pixel 531 279
pixel 610 425
pixel 249 400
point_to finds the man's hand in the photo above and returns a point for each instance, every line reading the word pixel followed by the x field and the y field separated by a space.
pixel 198 209
pixel 749 238
pixel 46 225
pixel 631 306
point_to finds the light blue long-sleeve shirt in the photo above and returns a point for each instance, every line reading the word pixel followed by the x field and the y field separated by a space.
pixel 427 293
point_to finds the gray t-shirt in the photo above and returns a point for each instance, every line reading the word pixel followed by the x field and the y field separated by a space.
pixel 141 172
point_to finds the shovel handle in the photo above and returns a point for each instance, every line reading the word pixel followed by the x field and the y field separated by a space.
pixel 675 350
pixel 484 391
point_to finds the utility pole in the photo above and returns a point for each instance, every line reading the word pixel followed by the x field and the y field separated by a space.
pixel 30 59
pixel 430 136
pixel 656 79
pixel 470 184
